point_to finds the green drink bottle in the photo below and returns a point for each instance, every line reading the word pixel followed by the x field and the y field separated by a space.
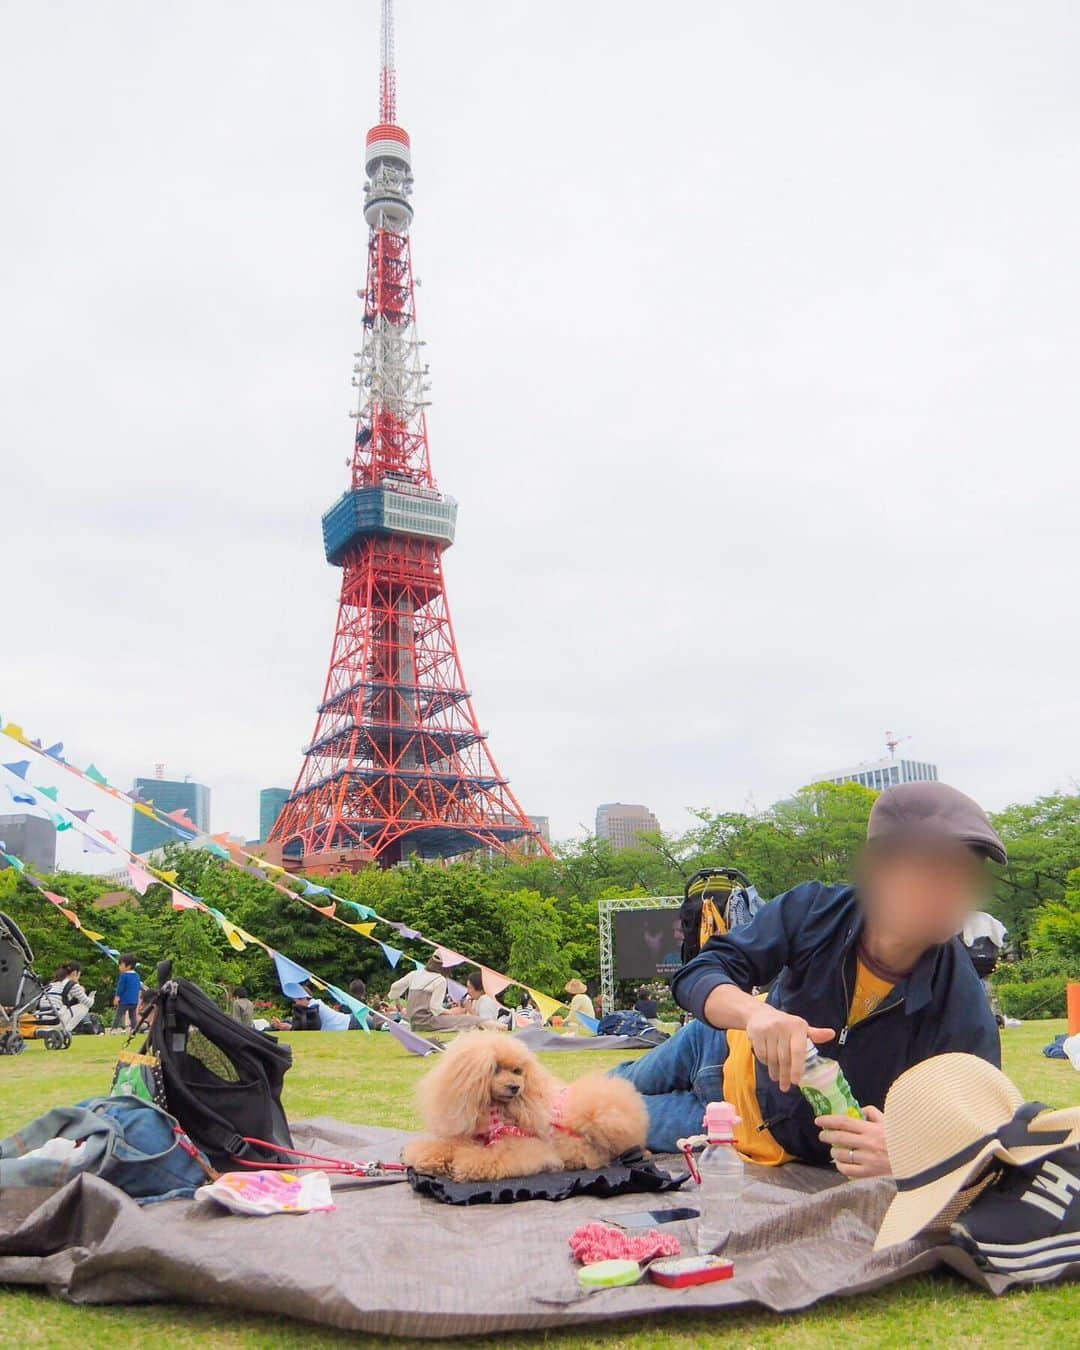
pixel 825 1087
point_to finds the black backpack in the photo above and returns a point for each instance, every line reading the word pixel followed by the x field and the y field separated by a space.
pixel 222 1080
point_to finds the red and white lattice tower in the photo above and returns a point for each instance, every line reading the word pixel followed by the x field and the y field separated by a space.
pixel 397 764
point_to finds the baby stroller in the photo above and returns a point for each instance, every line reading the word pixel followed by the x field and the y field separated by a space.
pixel 27 1011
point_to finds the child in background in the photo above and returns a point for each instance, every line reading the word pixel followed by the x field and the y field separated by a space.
pixel 126 998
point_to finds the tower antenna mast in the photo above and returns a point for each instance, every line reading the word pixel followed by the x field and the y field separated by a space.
pixel 387 75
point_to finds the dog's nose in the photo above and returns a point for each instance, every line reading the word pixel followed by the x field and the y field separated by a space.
pixel 513 1089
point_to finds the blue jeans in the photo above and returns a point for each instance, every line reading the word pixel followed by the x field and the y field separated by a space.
pixel 678 1080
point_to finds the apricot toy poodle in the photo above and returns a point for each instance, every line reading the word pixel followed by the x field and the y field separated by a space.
pixel 493 1111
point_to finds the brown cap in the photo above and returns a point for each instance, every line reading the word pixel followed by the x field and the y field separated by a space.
pixel 934 811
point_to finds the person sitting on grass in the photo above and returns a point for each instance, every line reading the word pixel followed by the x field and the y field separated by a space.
pixel 479 1003
pixel 425 993
pixel 873 974
pixel 242 1008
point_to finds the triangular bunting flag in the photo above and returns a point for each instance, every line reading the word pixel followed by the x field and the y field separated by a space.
pixel 19 768
pixel 311 889
pixel 494 983
pixel 95 775
pixel 84 816
pixel 548 1006
pixel 403 930
pixel 392 954
pixel 16 733
pixel 329 910
pixel 53 897
pixel 217 850
pixel 361 911
pixel 365 930
pixel 23 797
pixel 94 937
pixel 55 752
pixel 182 901
pixel 70 915
pixel 416 1045
pixel 457 991
pixel 232 936
pixel 144 810
pixel 288 972
pixel 167 877
pixel 449 958
pixel 50 792
pixel 141 879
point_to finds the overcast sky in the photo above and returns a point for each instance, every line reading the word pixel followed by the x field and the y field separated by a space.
pixel 754 333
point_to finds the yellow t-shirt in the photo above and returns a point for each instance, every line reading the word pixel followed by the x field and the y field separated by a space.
pixel 751 1141
pixel 869 992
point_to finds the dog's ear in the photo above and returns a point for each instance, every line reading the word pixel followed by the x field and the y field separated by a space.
pixel 455 1098
pixel 532 1109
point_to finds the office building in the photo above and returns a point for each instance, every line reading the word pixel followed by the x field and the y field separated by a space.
pixel 31 838
pixel 621 823
pixel 167 795
pixel 883 773
pixel 271 800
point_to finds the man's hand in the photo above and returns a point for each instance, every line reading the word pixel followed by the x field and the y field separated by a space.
pixel 857 1146
pixel 779 1041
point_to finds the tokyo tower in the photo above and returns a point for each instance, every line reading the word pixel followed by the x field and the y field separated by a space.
pixel 397 764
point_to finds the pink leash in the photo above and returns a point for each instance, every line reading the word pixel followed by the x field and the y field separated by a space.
pixel 317 1163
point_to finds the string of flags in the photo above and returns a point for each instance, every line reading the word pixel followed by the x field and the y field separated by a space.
pixel 231 852
pixel 61 904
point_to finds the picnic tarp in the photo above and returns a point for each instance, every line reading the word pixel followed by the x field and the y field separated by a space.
pixel 390 1262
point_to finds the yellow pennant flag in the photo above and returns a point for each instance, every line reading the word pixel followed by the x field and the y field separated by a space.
pixel 144 810
pixel 94 937
pixel 235 941
pixel 548 1006
pixel 16 733
pixel 169 877
pixel 365 929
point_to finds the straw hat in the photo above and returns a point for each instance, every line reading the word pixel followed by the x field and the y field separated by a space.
pixel 575 987
pixel 945 1119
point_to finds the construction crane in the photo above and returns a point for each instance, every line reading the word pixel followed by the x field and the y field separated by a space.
pixel 892 740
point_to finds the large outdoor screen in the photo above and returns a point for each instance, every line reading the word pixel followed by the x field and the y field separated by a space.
pixel 647 943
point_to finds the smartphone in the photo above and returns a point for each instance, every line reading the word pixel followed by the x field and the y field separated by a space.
pixel 649 1218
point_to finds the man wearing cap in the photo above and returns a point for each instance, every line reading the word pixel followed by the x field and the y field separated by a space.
pixel 873 974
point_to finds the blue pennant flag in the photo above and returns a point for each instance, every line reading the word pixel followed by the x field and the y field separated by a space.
pixel 392 954
pixel 311 889
pixel 288 972
pixel 55 752
pixel 19 768
pixel 24 797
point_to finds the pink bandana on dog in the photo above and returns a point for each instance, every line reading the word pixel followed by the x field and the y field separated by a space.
pixel 498 1128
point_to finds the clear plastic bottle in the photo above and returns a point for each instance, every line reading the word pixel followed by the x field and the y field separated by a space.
pixel 722 1178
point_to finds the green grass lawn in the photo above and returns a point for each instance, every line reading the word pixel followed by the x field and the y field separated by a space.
pixel 370 1079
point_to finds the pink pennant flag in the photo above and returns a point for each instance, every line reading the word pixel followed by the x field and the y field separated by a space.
pixel 329 910
pixel 449 958
pixel 108 834
pixel 51 895
pixel 494 983
pixel 180 817
pixel 182 901
pixel 140 878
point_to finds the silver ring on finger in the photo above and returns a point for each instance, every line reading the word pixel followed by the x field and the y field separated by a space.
pixel 851 1156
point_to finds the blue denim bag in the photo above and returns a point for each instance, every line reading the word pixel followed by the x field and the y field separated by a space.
pixel 131 1143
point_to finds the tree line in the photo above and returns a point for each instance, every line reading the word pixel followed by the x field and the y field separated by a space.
pixel 536 918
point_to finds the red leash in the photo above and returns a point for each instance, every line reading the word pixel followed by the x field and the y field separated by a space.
pixel 318 1162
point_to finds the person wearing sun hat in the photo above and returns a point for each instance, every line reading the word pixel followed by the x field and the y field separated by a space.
pixel 873 974
pixel 580 1002
pixel 965 1147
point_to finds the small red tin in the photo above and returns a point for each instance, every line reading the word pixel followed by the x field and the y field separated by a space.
pixel 681 1272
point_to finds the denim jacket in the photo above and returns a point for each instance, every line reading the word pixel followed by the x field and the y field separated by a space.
pixel 804 942
pixel 123 1140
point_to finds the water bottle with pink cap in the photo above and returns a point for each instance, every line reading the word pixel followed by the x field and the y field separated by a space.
pixel 722 1178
